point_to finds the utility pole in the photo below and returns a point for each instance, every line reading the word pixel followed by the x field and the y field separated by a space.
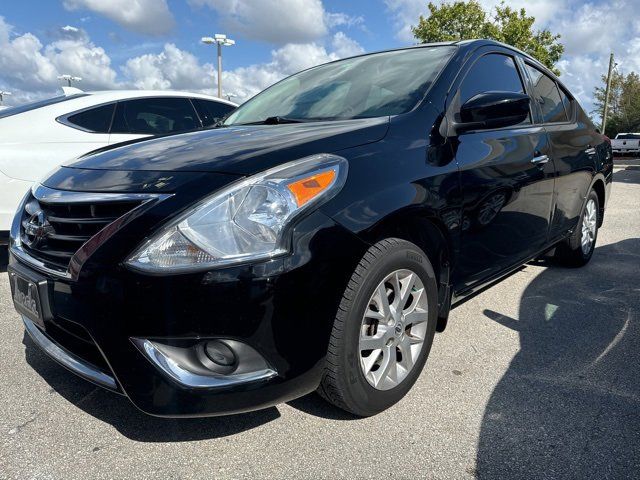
pixel 220 40
pixel 606 95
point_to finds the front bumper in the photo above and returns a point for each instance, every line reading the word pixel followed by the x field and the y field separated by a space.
pixel 70 361
pixel 283 309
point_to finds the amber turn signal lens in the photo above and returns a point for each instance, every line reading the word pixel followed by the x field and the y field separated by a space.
pixel 308 188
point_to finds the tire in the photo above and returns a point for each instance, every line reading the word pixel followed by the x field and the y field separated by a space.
pixel 570 252
pixel 393 265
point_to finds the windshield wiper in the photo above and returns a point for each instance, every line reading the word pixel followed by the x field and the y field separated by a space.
pixel 275 121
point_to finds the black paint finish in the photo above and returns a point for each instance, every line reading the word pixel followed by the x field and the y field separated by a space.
pixel 473 201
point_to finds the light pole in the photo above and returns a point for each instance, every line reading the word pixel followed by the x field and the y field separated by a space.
pixel 69 79
pixel 222 41
pixel 2 95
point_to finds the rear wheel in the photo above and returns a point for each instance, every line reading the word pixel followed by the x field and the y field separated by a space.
pixel 383 330
pixel 578 249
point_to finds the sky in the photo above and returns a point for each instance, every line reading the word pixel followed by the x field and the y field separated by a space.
pixel 155 44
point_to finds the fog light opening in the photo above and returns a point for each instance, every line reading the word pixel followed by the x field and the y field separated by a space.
pixel 217 356
pixel 208 363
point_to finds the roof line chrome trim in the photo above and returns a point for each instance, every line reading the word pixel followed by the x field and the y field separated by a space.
pixel 68 360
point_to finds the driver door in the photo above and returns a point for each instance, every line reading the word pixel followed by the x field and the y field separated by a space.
pixel 507 178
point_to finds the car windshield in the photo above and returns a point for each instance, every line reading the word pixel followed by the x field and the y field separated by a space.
pixel 375 85
pixel 38 104
pixel 628 136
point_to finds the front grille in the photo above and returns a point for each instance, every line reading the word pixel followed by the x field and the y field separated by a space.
pixel 53 230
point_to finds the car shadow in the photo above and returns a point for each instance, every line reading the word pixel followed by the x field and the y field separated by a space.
pixel 118 411
pixel 568 405
pixel 628 175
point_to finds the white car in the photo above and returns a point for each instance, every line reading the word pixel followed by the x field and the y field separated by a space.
pixel 37 137
pixel 626 143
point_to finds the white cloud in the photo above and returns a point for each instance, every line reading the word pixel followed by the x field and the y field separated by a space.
pixel 177 69
pixel 279 21
pixel 344 46
pixel 170 69
pixel 149 17
pixel 29 69
pixel 590 32
pixel 276 21
pixel 343 20
pixel 405 14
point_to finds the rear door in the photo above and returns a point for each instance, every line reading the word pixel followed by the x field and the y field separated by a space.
pixel 143 117
pixel 573 144
pixel 507 178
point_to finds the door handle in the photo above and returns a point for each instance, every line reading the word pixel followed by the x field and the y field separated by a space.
pixel 540 159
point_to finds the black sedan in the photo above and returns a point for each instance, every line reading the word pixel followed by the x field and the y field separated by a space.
pixel 316 239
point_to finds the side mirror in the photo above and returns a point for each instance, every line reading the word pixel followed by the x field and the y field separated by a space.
pixel 493 110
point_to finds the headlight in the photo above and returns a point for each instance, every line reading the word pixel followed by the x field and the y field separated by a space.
pixel 245 221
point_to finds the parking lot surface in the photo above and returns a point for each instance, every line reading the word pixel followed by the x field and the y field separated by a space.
pixel 537 377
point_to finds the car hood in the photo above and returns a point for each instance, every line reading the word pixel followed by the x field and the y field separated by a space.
pixel 240 150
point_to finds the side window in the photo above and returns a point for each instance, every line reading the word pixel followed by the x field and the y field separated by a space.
pixel 492 72
pixel 567 102
pixel 209 111
pixel 97 120
pixel 154 116
pixel 547 95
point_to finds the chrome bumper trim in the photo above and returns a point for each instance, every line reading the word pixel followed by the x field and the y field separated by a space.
pixel 190 379
pixel 67 359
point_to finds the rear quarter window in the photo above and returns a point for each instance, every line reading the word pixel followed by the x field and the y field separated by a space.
pixel 548 96
pixel 209 111
pixel 97 120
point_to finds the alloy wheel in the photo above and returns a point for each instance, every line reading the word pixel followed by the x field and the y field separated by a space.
pixel 589 225
pixel 393 329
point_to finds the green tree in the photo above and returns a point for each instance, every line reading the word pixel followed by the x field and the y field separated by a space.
pixel 466 20
pixel 624 103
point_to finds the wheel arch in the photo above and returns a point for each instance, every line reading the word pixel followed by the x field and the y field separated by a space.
pixel 598 186
pixel 431 236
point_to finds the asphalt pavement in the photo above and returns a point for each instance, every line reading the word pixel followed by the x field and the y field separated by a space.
pixel 537 377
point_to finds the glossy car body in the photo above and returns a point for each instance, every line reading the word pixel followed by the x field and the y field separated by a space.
pixel 36 138
pixel 408 177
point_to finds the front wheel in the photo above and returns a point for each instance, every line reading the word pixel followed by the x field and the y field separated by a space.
pixel 577 250
pixel 383 330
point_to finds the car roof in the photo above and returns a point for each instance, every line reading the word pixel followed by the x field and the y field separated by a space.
pixel 75 99
pixel 109 95
pixel 471 44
